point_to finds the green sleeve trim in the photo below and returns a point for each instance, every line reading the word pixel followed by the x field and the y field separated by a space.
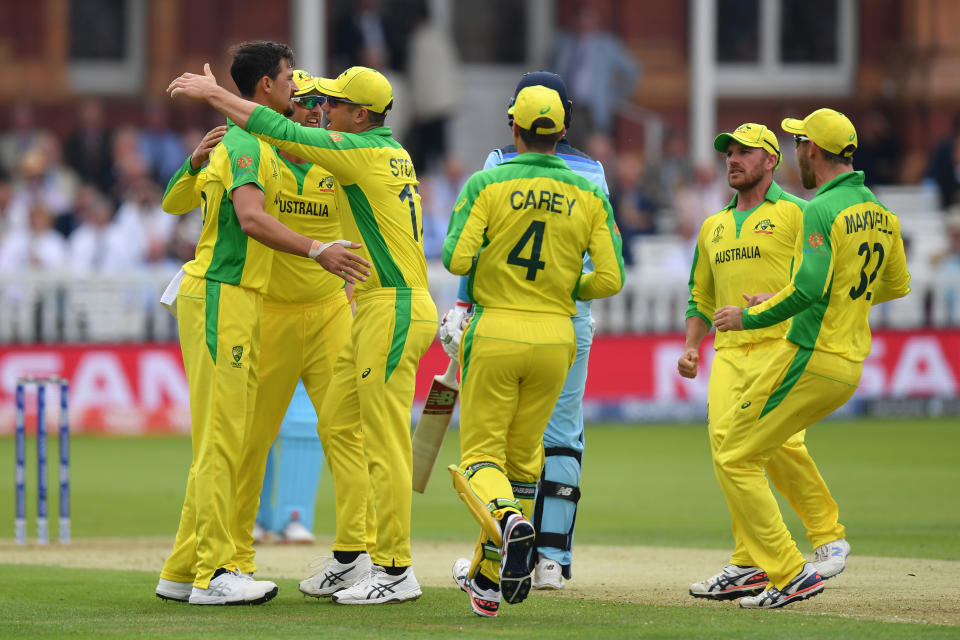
pixel 693 309
pixel 387 269
pixel 171 201
pixel 459 215
pixel 212 319
pixel 468 342
pixel 401 326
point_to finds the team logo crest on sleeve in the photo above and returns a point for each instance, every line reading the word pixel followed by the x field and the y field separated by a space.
pixel 718 233
pixel 764 226
pixel 815 240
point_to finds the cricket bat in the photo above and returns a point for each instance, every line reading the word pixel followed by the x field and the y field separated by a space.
pixel 433 423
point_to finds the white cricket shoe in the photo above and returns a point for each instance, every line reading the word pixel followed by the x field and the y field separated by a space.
pixel 379 587
pixel 548 574
pixel 831 559
pixel 170 590
pixel 234 588
pixel 732 582
pixel 484 602
pixel 334 576
pixel 296 533
pixel 805 584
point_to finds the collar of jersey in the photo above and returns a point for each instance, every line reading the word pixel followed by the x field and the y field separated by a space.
pixel 774 193
pixel 848 178
pixel 539 159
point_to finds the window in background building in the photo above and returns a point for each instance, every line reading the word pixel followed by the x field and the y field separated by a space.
pixel 491 32
pixel 802 47
pixel 107 42
pixel 738 37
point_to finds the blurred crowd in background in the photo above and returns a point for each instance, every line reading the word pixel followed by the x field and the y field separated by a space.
pixel 90 202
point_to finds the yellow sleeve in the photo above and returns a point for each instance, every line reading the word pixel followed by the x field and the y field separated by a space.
pixel 895 279
pixel 465 233
pixel 183 190
pixel 702 301
pixel 606 251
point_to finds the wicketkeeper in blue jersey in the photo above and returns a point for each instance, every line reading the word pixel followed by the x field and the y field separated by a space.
pixel 559 489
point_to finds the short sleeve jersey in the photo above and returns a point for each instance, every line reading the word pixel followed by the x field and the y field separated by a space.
pixel 224 252
pixel 747 252
pixel 851 257
pixel 520 231
pixel 381 200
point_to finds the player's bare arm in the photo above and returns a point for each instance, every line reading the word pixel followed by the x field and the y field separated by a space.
pixel 728 318
pixel 205 88
pixel 206 145
pixel 690 360
pixel 248 201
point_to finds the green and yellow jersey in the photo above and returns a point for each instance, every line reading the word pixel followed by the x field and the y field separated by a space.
pixel 380 196
pixel 747 252
pixel 307 205
pixel 224 252
pixel 520 230
pixel 850 257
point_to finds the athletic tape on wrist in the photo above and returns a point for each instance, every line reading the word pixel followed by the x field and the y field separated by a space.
pixel 319 247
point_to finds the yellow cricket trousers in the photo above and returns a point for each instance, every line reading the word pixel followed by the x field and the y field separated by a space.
pixel 302 340
pixel 373 383
pixel 790 468
pixel 220 340
pixel 798 388
pixel 513 366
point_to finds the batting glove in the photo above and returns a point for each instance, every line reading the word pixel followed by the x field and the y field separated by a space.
pixel 452 326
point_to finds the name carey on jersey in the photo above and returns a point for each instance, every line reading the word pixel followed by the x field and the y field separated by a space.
pixel 300 208
pixel 737 253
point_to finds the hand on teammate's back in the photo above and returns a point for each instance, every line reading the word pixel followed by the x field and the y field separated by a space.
pixel 343 263
pixel 209 141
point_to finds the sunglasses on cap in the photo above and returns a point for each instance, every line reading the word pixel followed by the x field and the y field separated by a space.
pixel 310 102
pixel 798 138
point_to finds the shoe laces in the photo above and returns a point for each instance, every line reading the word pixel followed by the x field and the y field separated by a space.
pixel 318 564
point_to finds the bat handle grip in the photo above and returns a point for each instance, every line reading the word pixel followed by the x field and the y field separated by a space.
pixel 449 377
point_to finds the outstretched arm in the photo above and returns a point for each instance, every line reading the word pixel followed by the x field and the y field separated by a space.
pixel 205 88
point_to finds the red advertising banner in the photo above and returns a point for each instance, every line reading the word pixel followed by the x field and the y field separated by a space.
pixel 132 389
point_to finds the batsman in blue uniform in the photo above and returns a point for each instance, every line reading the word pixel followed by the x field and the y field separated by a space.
pixel 558 492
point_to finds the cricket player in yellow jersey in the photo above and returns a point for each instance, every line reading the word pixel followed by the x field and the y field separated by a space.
pixel 218 312
pixel 749 246
pixel 305 323
pixel 851 257
pixel 395 321
pixel 520 231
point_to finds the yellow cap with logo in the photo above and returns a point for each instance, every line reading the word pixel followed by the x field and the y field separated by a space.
pixel 750 134
pixel 361 86
pixel 828 129
pixel 304 81
pixel 533 103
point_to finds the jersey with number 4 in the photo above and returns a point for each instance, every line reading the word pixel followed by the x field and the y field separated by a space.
pixel 520 231
pixel 380 202
pixel 851 258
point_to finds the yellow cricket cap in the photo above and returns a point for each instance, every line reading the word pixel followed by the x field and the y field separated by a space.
pixel 537 102
pixel 304 81
pixel 361 86
pixel 750 134
pixel 828 129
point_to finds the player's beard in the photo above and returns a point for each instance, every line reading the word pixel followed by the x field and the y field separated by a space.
pixel 288 112
pixel 746 180
pixel 807 175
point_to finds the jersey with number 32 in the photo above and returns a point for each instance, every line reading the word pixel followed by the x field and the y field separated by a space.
pixel 851 258
pixel 520 231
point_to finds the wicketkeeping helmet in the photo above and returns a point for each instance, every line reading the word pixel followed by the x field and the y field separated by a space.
pixel 549 80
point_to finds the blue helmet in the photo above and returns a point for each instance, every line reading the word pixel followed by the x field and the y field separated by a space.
pixel 549 80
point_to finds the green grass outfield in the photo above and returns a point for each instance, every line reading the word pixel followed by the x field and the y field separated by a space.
pixel 895 481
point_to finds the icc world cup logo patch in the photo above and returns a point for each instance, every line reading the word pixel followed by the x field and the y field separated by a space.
pixel 718 233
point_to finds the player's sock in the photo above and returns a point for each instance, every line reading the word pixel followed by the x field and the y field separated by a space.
pixel 346 557
pixel 395 571
pixel 485 583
